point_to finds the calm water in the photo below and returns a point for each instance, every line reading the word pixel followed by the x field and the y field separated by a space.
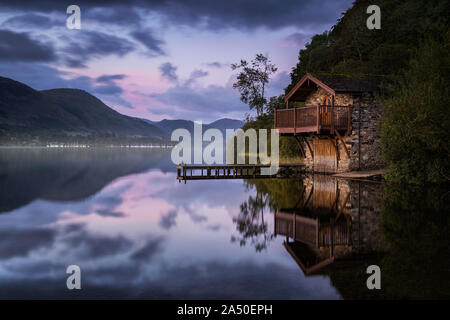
pixel 136 232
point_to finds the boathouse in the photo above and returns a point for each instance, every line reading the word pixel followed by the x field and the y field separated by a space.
pixel 335 120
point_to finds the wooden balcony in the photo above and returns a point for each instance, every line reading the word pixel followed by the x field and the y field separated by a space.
pixel 313 119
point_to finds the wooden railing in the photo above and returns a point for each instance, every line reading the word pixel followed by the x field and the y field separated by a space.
pixel 313 119
pixel 311 231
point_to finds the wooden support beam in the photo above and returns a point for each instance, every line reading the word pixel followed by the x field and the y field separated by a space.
pixel 335 201
pixel 343 206
pixel 300 146
pixel 309 197
pixel 343 144
pixel 309 147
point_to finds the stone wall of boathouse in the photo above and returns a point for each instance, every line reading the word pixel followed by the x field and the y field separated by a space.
pixel 363 143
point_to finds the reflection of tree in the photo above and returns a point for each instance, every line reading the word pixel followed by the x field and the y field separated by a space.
pixel 415 224
pixel 270 195
pixel 250 223
pixel 281 193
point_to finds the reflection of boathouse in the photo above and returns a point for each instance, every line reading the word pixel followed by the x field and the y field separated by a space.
pixel 325 225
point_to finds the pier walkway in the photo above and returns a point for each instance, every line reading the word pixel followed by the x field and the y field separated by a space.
pixel 236 171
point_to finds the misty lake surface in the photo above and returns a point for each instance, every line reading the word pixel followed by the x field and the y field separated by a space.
pixel 137 233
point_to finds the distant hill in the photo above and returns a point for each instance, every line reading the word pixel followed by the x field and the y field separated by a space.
pixel 225 123
pixel 49 114
pixel 168 126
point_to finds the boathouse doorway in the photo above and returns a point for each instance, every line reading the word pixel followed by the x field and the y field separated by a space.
pixel 325 111
pixel 325 155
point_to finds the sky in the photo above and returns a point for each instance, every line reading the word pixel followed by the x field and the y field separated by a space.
pixel 158 59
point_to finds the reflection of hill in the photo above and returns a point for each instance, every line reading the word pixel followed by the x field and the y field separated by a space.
pixel 63 175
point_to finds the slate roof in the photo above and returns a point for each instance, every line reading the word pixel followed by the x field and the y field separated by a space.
pixel 341 83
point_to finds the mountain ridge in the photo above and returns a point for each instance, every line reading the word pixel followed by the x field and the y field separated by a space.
pixel 29 116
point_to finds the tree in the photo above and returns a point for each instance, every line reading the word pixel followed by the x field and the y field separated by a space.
pixel 252 80
pixel 414 131
pixel 275 103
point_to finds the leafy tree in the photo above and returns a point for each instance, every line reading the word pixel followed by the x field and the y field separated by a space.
pixel 252 80
pixel 275 103
pixel 416 144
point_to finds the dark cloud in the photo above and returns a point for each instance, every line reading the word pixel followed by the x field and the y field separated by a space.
pixel 167 221
pixel 250 14
pixel 19 243
pixel 93 44
pixel 110 78
pixel 21 47
pixel 215 64
pixel 90 245
pixel 42 77
pixel 108 90
pixel 195 75
pixel 32 20
pixel 153 45
pixel 110 213
pixel 121 15
pixel 89 84
pixel 149 250
pixel 169 71
pixel 211 279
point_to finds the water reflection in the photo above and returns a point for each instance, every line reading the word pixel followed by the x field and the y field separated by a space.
pixel 134 231
pixel 137 233
pixel 68 175
pixel 337 228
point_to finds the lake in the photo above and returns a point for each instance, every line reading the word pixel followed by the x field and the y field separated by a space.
pixel 137 233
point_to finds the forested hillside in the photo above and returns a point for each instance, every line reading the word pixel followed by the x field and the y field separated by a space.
pixel 351 48
pixel 411 50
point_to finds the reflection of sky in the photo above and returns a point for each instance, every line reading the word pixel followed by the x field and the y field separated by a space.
pixel 146 236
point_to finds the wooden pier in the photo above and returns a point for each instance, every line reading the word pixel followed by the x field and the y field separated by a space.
pixel 237 171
